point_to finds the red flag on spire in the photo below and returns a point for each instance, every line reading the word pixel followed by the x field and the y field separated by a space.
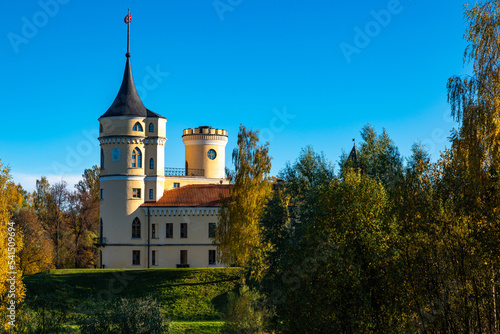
pixel 128 18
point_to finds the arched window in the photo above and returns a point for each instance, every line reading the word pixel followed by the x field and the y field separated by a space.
pixel 151 163
pixel 151 127
pixel 137 127
pixel 136 229
pixel 136 158
pixel 102 158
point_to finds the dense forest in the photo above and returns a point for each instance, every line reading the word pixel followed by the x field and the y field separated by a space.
pixel 382 244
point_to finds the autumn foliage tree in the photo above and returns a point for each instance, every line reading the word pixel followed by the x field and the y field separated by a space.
pixel 10 200
pixel 238 234
pixel 37 254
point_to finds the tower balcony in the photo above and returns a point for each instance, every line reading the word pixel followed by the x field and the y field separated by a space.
pixel 187 172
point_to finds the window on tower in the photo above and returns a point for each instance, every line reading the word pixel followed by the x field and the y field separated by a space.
pixel 151 127
pixel 102 159
pixel 136 193
pixel 151 163
pixel 136 158
pixel 211 154
pixel 136 229
pixel 137 127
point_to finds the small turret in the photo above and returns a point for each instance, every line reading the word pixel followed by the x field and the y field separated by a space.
pixel 205 150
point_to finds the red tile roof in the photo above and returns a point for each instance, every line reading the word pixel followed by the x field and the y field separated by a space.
pixel 194 195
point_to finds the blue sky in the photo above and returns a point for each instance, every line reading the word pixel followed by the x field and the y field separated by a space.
pixel 303 72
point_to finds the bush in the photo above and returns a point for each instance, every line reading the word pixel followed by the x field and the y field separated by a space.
pixel 45 321
pixel 247 313
pixel 126 316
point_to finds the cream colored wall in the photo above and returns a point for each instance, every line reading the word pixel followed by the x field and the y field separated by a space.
pixel 198 142
pixel 119 208
pixel 168 256
pixel 196 156
pixel 197 243
pixel 123 125
pixel 124 165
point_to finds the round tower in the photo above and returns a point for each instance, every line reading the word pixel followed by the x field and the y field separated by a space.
pixel 205 151
pixel 132 140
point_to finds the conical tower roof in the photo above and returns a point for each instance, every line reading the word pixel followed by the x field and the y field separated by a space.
pixel 354 153
pixel 127 101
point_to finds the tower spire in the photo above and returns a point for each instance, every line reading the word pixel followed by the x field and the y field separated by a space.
pixel 128 19
pixel 354 152
pixel 127 101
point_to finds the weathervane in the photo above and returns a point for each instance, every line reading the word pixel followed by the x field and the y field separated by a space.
pixel 127 20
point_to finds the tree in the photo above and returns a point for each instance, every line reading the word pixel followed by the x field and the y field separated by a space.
pixel 473 164
pixel 378 157
pixel 10 245
pixel 38 252
pixel 83 220
pixel 238 234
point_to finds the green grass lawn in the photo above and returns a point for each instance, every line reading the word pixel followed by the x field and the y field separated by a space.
pixel 201 327
pixel 184 294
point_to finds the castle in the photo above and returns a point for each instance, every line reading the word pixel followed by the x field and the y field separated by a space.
pixel 152 216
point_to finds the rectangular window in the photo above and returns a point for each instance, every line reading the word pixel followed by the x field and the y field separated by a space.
pixel 211 256
pixel 153 231
pixel 177 184
pixel 102 194
pixel 170 230
pixel 184 230
pixel 184 257
pixel 136 193
pixel 150 193
pixel 136 257
pixel 154 258
pixel 211 230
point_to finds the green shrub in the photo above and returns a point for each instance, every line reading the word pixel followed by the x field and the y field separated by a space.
pixel 43 320
pixel 126 316
pixel 247 313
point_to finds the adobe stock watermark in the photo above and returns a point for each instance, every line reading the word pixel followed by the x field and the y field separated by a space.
pixel 364 35
pixel 277 124
pixel 11 281
pixel 30 26
pixel 223 6
pixel 89 146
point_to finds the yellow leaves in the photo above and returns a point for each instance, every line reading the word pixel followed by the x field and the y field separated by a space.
pixel 11 287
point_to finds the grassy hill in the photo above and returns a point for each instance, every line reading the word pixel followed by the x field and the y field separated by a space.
pixel 184 294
